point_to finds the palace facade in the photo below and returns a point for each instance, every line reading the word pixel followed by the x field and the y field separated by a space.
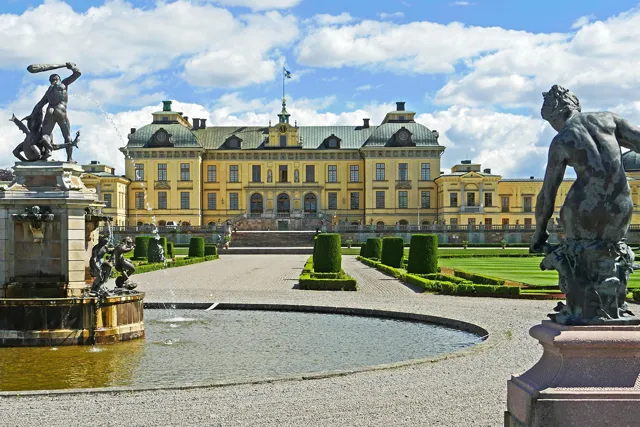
pixel 287 176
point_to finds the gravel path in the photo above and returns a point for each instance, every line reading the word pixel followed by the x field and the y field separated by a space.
pixel 469 390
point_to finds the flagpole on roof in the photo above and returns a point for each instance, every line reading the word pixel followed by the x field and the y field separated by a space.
pixel 283 73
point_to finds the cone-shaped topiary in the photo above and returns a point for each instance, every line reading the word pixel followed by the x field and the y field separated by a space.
pixel 196 247
pixel 363 249
pixel 157 250
pixel 327 255
pixel 210 249
pixel 141 250
pixel 373 248
pixel 392 251
pixel 423 254
pixel 170 249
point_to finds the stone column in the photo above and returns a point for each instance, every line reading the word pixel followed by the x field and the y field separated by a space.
pixel 462 200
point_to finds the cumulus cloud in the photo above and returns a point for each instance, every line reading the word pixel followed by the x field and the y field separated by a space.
pixel 323 19
pixel 384 15
pixel 582 21
pixel 260 4
pixel 462 3
pixel 108 40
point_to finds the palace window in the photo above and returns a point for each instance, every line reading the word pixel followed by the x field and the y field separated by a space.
pixel 283 140
pixel 139 200
pixel 212 201
pixel 379 199
pixel 505 204
pixel 283 172
pixel 162 171
pixel 453 221
pixel 333 173
pixel 184 200
pixel 505 221
pixel 212 173
pixel 379 171
pixel 107 200
pixel 355 200
pixel 425 172
pixel 256 173
pixel 471 199
pixel 488 200
pixel 453 200
pixel 162 200
pixel 311 173
pixel 403 199
pixel 403 171
pixel 185 172
pixel 527 204
pixel 528 222
pixel 471 221
pixel 425 199
pixel 488 221
pixel 139 171
pixel 333 200
pixel 234 175
pixel 233 201
pixel 354 173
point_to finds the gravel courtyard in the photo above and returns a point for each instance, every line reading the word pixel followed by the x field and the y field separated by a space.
pixel 469 390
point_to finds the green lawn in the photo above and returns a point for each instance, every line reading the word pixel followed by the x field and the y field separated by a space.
pixel 525 270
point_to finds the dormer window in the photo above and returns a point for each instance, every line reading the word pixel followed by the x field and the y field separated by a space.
pixel 403 138
pixel 332 142
pixel 400 117
pixel 162 138
pixel 233 143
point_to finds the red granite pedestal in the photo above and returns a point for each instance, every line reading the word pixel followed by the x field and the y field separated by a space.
pixel 587 376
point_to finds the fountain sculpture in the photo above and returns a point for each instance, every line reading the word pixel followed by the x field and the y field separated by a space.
pixel 52 269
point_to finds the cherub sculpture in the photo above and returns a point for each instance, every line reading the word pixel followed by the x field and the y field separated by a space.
pixel 123 265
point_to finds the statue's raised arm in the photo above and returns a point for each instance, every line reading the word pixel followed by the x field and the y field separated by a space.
pixel 74 76
pixel 628 135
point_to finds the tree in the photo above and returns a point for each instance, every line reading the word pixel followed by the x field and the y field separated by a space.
pixel 6 175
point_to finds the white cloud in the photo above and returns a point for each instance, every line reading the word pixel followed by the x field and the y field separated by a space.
pixel 384 15
pixel 324 19
pixel 368 87
pixel 582 21
pixel 260 4
pixel 462 3
pixel 108 40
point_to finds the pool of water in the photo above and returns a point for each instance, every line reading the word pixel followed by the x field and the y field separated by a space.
pixel 191 347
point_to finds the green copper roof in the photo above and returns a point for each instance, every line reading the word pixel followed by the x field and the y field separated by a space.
pixel 383 134
pixel 631 161
pixel 351 137
pixel 181 136
pixel 252 136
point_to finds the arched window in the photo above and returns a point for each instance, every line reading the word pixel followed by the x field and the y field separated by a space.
pixel 256 204
pixel 310 203
pixel 140 223
pixel 283 203
pixel 380 224
pixel 403 223
pixel 426 223
pixel 162 223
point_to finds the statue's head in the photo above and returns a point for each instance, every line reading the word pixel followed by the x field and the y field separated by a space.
pixel 559 103
pixel 103 239
pixel 54 79
pixel 127 241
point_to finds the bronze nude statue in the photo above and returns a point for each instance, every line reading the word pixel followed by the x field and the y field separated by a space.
pixel 593 262
pixel 123 265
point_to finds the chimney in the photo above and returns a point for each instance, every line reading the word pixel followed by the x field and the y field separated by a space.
pixel 166 105
pixel 366 123
pixel 399 106
pixel 95 162
pixel 196 123
pixel 466 162
pixel 186 118
pixel 487 171
pixel 133 130
pixel 531 177
pixel 203 123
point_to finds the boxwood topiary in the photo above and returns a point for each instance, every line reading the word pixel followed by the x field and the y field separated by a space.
pixel 170 249
pixel 196 247
pixel 157 250
pixel 392 251
pixel 210 249
pixel 327 255
pixel 373 248
pixel 363 249
pixel 423 254
pixel 141 250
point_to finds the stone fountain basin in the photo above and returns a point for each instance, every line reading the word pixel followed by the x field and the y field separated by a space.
pixel 70 321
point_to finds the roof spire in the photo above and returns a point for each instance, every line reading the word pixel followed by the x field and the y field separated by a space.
pixel 284 115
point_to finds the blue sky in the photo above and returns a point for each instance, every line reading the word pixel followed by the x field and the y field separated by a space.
pixel 472 70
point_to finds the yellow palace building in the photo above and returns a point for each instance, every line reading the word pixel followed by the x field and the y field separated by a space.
pixel 284 176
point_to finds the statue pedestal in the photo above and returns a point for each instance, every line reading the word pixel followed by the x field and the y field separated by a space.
pixel 44 257
pixel 587 376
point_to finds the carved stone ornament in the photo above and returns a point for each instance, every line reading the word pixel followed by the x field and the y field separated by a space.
pixel 36 217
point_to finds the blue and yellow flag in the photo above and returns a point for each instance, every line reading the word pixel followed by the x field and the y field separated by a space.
pixel 286 73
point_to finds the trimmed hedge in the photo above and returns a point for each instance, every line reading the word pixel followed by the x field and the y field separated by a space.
pixel 145 268
pixel 343 284
pixel 423 254
pixel 210 249
pixel 170 250
pixel 327 255
pixel 196 247
pixel 479 278
pixel 373 248
pixel 392 251
pixel 363 249
pixel 141 251
pixel 157 250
